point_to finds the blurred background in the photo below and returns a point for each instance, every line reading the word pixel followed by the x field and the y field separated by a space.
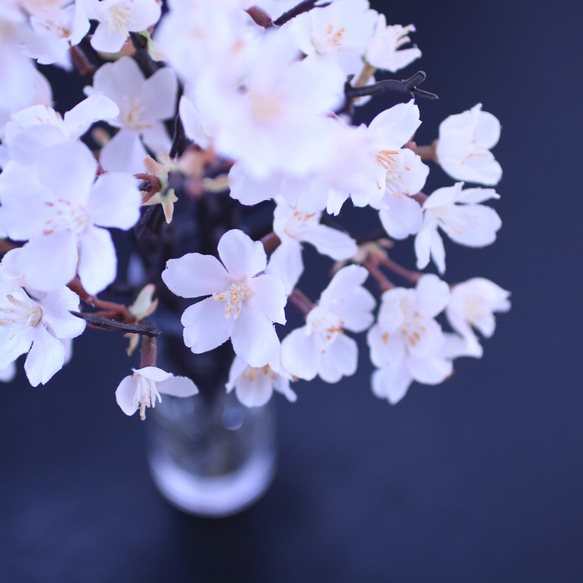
pixel 478 479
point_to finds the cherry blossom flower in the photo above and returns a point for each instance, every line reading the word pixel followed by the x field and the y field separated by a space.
pixel 243 302
pixel 406 342
pixel 144 387
pixel 38 324
pixel 472 305
pixel 143 104
pixel 459 215
pixel 321 347
pixel 255 385
pixel 117 18
pixel 339 31
pixel 384 50
pixel 294 227
pixel 463 148
pixel 61 211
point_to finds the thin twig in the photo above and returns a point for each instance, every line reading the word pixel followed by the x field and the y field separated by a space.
pixel 403 86
pixel 302 7
pixel 300 301
pixel 146 328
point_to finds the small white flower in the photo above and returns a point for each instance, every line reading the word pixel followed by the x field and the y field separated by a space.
pixel 58 207
pixel 321 347
pixel 117 18
pixel 293 228
pixel 144 387
pixel 39 324
pixel 243 305
pixel 463 148
pixel 472 305
pixel 459 215
pixel 254 385
pixel 406 342
pixel 143 104
pixel 384 50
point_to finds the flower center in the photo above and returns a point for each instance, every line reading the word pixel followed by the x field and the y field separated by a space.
pixel 66 216
pixel 251 373
pixel 146 395
pixel 326 326
pixel 118 19
pixel 234 297
pixel 20 310
pixel 265 107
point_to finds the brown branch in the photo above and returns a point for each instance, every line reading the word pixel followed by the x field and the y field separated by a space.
pixel 300 301
pixel 80 60
pixel 411 276
pixel 403 86
pixel 270 242
pixel 146 328
pixel 300 8
pixel 149 352
pixel 383 281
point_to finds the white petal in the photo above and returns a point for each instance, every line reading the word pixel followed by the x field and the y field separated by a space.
pixel 241 256
pixel 115 201
pixel 391 383
pixel 254 338
pixel 178 387
pixel 55 307
pixel 206 326
pixel 299 355
pixel 59 251
pixel 430 371
pixel 331 242
pixel 125 395
pixel 194 275
pixel 269 297
pixel 97 260
pixel 254 393
pixel 45 358
pixel 153 373
pixel 286 264
pixel 159 92
pixel 123 153
pixel 341 359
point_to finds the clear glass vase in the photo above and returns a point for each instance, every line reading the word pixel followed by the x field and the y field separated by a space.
pixel 209 455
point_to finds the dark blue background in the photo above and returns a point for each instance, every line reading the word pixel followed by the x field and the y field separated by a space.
pixel 476 480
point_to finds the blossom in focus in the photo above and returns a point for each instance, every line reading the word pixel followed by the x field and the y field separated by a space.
pixel 58 207
pixel 293 228
pixel 406 342
pixel 255 385
pixel 384 50
pixel 459 215
pixel 39 324
pixel 472 305
pixel 144 387
pixel 117 18
pixel 143 104
pixel 321 347
pixel 243 303
pixel 463 147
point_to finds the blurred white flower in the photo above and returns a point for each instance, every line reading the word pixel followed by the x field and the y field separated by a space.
pixel 472 305
pixel 463 148
pixel 254 385
pixel 459 215
pixel 58 207
pixel 406 342
pixel 38 324
pixel 384 50
pixel 143 104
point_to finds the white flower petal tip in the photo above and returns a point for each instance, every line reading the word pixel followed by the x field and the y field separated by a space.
pixel 144 387
pixel 254 386
pixel 463 147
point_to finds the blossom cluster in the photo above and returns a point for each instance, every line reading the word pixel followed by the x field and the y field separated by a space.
pixel 255 100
